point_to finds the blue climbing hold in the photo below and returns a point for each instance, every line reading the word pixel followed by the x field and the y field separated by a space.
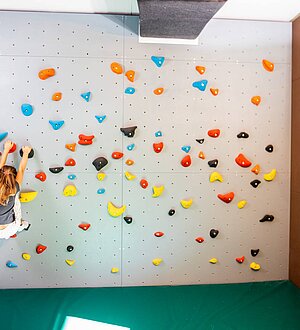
pixel 129 90
pixel 186 148
pixel 56 124
pixel 100 118
pixel 159 61
pixel 101 191
pixel 11 264
pixel 27 109
pixel 86 96
pixel 130 147
pixel 3 135
pixel 71 176
pixel 201 85
pixel 158 133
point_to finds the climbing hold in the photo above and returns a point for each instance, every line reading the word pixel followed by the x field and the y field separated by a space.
pixel 26 197
pixel 41 176
pixel 186 161
pixel 11 264
pixel 101 176
pixel 240 260
pixel 100 118
pixel 130 90
pixel 115 270
pixel 256 100
pixel 46 73
pixel 70 190
pixel 270 176
pixel 201 155
pixel 128 220
pixel 242 161
pixel 158 60
pixel 256 169
pixel 213 163
pixel 269 66
pixel 269 148
pixel 213 133
pixel 171 212
pixel 26 256
pixel 70 262
pixel 117 155
pixel 215 176
pixel 213 260
pixel 201 85
pixel 267 217
pixel 70 162
pixel 255 183
pixel 128 131
pixel 158 91
pixel 158 147
pixel 130 75
pixel 200 69
pixel 56 124
pixel 254 252
pixel 227 198
pixel 116 68
pixel 199 239
pixel 214 91
pixel 186 203
pixel 130 147
pixel 157 261
pixel 129 176
pixel 71 146
pixel 27 109
pixel 241 204
pixel 144 183
pixel 100 191
pixel 12 149
pixel 158 133
pixel 186 148
pixel 70 248
pixel 56 170
pixel 71 176
pixel 201 141
pixel 213 233
pixel 56 96
pixel 85 139
pixel 115 211
pixel 100 162
pixel 84 226
pixel 3 136
pixel 30 155
pixel 129 162
pixel 243 135
pixel 159 234
pixel 86 96
pixel 157 191
pixel 40 248
pixel 255 266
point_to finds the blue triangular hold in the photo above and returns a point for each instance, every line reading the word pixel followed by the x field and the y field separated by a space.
pixel 186 148
pixel 27 109
pixel 158 133
pixel 11 264
pixel 100 118
pixel 159 61
pixel 130 146
pixel 3 135
pixel 56 124
pixel 201 85
pixel 86 96
pixel 129 90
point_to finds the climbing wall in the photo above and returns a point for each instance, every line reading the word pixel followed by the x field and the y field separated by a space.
pixel 113 252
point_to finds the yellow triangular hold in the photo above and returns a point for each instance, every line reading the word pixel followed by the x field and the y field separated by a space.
pixel 241 204
pixel 157 261
pixel 129 176
pixel 70 262
pixel 186 203
pixel 70 190
pixel 101 176
pixel 157 191
pixel 115 211
pixel 270 176
pixel 115 270
pixel 215 176
pixel 213 260
pixel 26 197
pixel 254 266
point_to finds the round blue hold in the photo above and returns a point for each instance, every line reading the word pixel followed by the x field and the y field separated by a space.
pixel 71 176
pixel 130 147
pixel 201 85
pixel 101 191
pixel 158 133
pixel 129 90
pixel 27 109
pixel 186 148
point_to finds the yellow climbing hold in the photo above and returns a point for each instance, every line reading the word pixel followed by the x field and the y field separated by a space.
pixel 215 176
pixel 70 190
pixel 26 197
pixel 26 256
pixel 157 191
pixel 186 203
pixel 115 211
pixel 241 204
pixel 115 270
pixel 213 260
pixel 101 176
pixel 270 176
pixel 157 261
pixel 70 262
pixel 254 266
pixel 129 176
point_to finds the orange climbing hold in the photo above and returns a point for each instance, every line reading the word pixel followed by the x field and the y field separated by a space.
pixel 226 198
pixel 41 176
pixel 40 248
pixel 116 68
pixel 70 162
pixel 46 73
pixel 158 91
pixel 200 69
pixel 130 75
pixel 84 226
pixel 186 161
pixel 56 96
pixel 199 239
pixel 214 133
pixel 158 147
pixel 71 146
pixel 201 155
pixel 242 161
pixel 214 91
pixel 129 162
pixel 256 100
pixel 269 66
pixel 85 139
pixel 256 169
pixel 144 183
pixel 117 155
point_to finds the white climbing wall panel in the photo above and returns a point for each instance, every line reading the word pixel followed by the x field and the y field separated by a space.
pixel 81 49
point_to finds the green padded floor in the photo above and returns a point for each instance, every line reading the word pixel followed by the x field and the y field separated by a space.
pixel 266 305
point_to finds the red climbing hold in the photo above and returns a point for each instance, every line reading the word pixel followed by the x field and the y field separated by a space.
pixel 40 248
pixel 213 133
pixel 199 239
pixel 227 198
pixel 159 234
pixel 85 139
pixel 71 146
pixel 84 226
pixel 13 236
pixel 240 260
pixel 117 155
pixel 13 148
pixel 158 147
pixel 41 176
pixel 242 161
pixel 70 162
pixel 186 161
pixel 144 183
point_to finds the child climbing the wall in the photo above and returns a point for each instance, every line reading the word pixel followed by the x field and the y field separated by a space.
pixel 10 181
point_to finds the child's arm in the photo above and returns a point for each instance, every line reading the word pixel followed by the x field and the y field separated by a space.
pixel 23 164
pixel 7 146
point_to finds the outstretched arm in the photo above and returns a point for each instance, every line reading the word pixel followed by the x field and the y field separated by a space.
pixel 7 146
pixel 23 164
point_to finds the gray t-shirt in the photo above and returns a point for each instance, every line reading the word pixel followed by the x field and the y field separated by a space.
pixel 7 214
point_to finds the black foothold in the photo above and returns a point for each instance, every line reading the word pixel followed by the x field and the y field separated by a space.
pixel 267 217
pixel 213 233
pixel 243 135
pixel 255 183
pixel 100 162
pixel 201 141
pixel 30 155
pixel 269 148
pixel 254 253
pixel 171 212
pixel 70 248
pixel 129 131
pixel 213 163
pixel 128 220
pixel 56 170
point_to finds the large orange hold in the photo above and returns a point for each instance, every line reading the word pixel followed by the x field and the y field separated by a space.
pixel 242 161
pixel 46 73
pixel 71 146
pixel 256 169
pixel 186 161
pixel 200 69
pixel 130 75
pixel 116 68
pixel 213 133
pixel 70 162
pixel 117 155
pixel 214 91
pixel 201 155
pixel 158 147
pixel 269 66
pixel 226 198
pixel 85 139
pixel 256 100
pixel 129 162
pixel 56 96
pixel 158 91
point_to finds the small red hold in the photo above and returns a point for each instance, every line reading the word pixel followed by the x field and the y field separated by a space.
pixel 158 147
pixel 13 236
pixel 41 176
pixel 214 133
pixel 186 161
pixel 227 198
pixel 85 139
pixel 144 183
pixel 240 260
pixel 159 234
pixel 13 149
pixel 199 239
pixel 84 226
pixel 40 248
pixel 117 155
pixel 70 162
pixel 242 161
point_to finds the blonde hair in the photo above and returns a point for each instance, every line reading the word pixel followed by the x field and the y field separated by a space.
pixel 8 183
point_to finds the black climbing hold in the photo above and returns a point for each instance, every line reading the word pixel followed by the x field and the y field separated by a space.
pixel 128 131
pixel 200 141
pixel 171 212
pixel 269 148
pixel 255 183
pixel 213 163
pixel 100 162
pixel 128 220
pixel 213 233
pixel 70 248
pixel 56 170
pixel 243 135
pixel 254 253
pixel 30 155
pixel 267 217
